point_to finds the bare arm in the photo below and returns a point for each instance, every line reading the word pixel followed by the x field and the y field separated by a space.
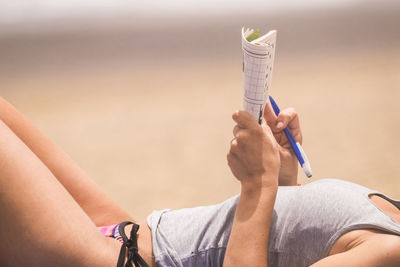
pixel 383 250
pixel 248 243
pixel 254 160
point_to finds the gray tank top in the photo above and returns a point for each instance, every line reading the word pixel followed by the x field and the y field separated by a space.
pixel 306 222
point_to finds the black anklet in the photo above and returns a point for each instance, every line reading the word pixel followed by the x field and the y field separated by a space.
pixel 132 246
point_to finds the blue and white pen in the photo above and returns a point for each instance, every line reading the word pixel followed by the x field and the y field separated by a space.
pixel 298 150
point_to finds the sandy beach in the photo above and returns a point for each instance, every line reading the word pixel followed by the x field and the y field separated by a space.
pixel 149 118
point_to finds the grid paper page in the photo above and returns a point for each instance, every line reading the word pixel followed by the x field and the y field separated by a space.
pixel 258 61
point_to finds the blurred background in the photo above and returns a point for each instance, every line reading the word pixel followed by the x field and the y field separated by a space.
pixel 140 93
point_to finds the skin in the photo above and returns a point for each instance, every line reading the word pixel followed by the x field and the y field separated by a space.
pixel 67 172
pixel 70 204
pixel 248 242
pixel 288 161
pixel 254 161
pixel 260 157
pixel 53 207
pixel 42 220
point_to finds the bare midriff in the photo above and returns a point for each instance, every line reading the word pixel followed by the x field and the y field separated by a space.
pixel 145 244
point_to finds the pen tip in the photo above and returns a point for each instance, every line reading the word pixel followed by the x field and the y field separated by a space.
pixel 307 169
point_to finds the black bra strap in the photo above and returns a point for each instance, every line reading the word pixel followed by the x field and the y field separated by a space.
pixel 132 246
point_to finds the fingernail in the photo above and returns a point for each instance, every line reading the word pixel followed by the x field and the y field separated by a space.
pixel 279 125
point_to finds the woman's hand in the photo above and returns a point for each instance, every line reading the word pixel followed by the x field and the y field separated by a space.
pixel 254 160
pixel 287 118
pixel 254 153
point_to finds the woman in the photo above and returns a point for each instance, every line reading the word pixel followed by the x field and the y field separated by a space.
pixel 50 209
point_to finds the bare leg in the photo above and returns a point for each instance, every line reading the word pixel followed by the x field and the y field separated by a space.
pixel 95 202
pixel 40 223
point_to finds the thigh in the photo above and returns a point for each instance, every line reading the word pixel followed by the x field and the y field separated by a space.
pixel 40 223
pixel 93 200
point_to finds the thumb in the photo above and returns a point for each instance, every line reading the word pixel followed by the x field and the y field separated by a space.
pixel 269 116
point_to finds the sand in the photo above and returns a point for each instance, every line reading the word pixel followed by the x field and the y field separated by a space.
pixel 155 135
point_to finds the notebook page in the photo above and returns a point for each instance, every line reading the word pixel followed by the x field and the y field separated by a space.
pixel 258 63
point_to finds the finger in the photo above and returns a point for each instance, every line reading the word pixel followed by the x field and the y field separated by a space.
pixel 233 162
pixel 236 129
pixel 289 118
pixel 244 120
pixel 233 146
pixel 269 115
pixel 266 128
pixel 231 158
